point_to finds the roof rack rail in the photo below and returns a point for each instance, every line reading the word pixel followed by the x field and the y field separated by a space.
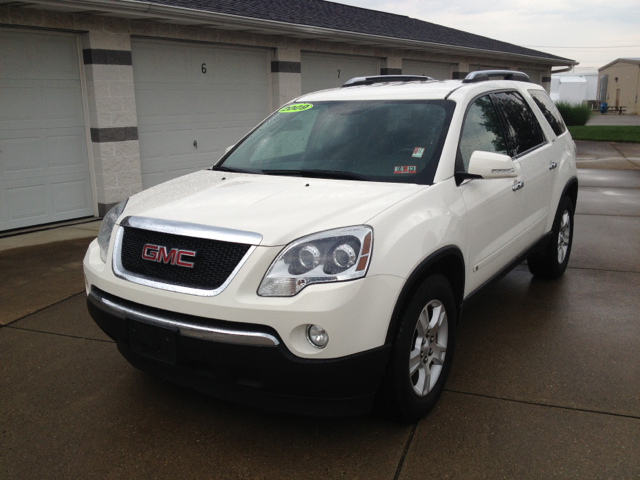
pixel 485 75
pixel 384 79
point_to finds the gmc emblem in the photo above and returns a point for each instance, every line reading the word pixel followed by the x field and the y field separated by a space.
pixel 157 253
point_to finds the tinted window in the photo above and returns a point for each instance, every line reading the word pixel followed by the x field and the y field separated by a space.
pixel 549 110
pixel 387 141
pixel 524 130
pixel 481 131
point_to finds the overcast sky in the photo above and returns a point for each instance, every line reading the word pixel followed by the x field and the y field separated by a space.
pixel 580 27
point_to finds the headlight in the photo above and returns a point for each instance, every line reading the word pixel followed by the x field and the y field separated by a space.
pixel 331 256
pixel 106 228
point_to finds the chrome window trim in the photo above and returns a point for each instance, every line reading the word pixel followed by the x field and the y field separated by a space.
pixel 192 230
pixel 185 229
pixel 195 330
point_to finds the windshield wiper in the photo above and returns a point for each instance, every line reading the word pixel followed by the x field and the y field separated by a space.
pixel 222 168
pixel 337 174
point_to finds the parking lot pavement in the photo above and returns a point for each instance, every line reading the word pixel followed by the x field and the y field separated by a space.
pixel 545 383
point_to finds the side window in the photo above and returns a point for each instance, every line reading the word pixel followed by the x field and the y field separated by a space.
pixel 549 110
pixel 481 131
pixel 524 129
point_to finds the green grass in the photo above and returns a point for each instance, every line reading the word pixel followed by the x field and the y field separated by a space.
pixel 608 133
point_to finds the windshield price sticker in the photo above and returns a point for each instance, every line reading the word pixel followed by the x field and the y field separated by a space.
pixel 296 107
pixel 405 169
pixel 418 152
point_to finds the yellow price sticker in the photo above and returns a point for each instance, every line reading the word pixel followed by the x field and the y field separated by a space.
pixel 296 107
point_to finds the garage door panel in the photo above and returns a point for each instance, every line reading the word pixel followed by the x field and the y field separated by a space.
pixel 27 202
pixel 15 56
pixel 177 103
pixel 320 71
pixel 66 151
pixel 62 105
pixel 70 196
pixel 57 58
pixel 21 156
pixel 43 145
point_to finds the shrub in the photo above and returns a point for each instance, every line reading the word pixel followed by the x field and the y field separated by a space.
pixel 574 113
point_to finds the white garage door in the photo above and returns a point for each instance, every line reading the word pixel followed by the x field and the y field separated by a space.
pixel 320 72
pixel 439 71
pixel 44 164
pixel 193 101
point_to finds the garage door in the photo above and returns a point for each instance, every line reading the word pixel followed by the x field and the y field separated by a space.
pixel 44 164
pixel 320 72
pixel 439 71
pixel 192 102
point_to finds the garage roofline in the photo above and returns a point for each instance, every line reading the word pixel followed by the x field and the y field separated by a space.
pixel 136 9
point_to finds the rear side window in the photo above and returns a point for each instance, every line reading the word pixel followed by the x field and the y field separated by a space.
pixel 481 131
pixel 523 128
pixel 549 110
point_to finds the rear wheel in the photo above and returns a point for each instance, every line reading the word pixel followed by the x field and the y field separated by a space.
pixel 553 260
pixel 423 351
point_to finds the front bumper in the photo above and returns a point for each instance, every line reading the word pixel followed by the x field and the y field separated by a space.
pixel 244 363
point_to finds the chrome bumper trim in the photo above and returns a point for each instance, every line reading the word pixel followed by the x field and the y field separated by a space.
pixel 188 329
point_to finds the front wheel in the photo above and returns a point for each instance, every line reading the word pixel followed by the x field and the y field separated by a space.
pixel 423 351
pixel 553 260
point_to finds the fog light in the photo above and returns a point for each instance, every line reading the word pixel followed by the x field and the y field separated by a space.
pixel 317 336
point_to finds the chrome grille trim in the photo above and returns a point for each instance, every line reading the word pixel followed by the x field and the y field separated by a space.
pixel 188 329
pixel 185 229
pixel 193 230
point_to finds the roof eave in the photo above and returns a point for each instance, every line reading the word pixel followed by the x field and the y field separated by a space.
pixel 136 9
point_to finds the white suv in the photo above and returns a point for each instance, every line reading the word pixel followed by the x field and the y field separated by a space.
pixel 324 261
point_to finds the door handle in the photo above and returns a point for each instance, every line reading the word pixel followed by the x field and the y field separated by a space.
pixel 552 165
pixel 517 186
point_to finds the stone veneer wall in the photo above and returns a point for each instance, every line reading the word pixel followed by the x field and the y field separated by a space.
pixel 106 43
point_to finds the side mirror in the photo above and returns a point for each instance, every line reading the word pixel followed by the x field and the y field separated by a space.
pixel 491 165
pixel 226 150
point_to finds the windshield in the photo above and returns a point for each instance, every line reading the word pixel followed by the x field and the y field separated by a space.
pixel 385 141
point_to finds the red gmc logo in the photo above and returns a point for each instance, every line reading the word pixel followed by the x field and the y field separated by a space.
pixel 175 256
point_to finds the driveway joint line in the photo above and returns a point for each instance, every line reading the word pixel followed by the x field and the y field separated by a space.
pixel 585 410
pixel 43 308
pixel 604 270
pixel 59 334
pixel 405 451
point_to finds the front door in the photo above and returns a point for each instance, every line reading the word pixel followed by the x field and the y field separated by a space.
pixel 494 209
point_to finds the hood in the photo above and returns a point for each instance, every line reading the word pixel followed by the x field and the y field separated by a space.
pixel 279 208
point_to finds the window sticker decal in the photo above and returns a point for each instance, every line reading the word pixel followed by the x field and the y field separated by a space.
pixel 418 152
pixel 405 169
pixel 296 107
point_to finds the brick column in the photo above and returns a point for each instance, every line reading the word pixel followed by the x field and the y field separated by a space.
pixel 391 66
pixel 112 114
pixel 286 77
pixel 460 71
pixel 546 80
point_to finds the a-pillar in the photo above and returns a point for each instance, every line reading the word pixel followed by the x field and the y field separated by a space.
pixel 112 113
pixel 286 77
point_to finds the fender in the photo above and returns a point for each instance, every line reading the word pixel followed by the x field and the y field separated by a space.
pixel 418 274
pixel 569 185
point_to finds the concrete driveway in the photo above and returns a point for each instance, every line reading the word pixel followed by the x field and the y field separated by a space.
pixel 545 383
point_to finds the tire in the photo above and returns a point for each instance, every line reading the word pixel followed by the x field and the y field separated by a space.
pixel 415 357
pixel 553 260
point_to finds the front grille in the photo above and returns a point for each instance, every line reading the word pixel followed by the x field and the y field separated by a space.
pixel 213 263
